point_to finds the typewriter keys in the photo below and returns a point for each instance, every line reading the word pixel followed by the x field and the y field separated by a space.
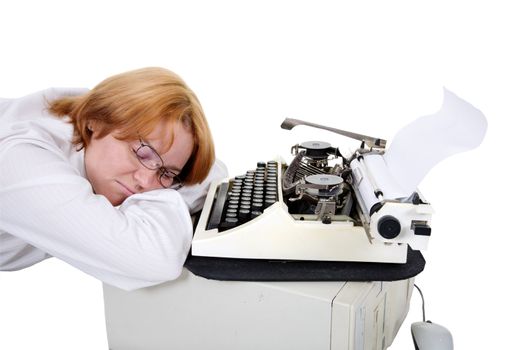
pixel 249 195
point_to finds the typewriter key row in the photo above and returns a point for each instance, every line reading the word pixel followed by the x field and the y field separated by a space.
pixel 246 196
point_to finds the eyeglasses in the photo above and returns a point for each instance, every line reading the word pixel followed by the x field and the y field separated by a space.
pixel 151 159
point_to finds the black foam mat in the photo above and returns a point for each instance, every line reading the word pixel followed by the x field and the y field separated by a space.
pixel 226 269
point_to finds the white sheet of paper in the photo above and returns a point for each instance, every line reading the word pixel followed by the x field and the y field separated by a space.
pixel 419 146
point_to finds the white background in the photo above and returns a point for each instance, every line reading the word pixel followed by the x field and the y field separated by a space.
pixel 369 67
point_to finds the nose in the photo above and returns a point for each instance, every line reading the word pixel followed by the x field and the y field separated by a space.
pixel 146 179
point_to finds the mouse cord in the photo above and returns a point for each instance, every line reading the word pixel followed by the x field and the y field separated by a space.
pixel 422 301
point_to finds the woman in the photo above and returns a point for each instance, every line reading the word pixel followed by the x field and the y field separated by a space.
pixel 105 179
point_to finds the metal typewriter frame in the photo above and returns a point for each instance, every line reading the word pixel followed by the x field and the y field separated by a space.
pixel 279 235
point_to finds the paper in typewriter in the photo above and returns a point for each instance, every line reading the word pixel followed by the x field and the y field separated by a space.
pixel 419 146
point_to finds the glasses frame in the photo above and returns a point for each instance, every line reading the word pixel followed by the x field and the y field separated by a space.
pixel 177 182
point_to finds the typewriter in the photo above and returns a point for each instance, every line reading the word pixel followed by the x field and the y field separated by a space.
pixel 323 206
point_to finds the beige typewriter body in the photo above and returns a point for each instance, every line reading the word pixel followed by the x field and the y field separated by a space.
pixel 320 177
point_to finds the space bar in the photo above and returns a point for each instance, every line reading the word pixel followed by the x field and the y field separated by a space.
pixel 218 206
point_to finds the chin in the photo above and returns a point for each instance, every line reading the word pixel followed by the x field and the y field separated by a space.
pixel 114 198
pixel 116 203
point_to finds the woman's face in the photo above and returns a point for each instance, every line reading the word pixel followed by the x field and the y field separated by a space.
pixel 114 171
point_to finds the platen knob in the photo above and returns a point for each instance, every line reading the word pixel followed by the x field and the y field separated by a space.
pixel 388 227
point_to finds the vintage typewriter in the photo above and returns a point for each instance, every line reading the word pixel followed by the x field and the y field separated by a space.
pixel 323 206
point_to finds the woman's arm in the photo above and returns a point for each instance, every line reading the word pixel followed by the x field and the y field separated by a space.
pixel 45 202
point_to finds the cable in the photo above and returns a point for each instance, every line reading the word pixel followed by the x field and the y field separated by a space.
pixel 422 301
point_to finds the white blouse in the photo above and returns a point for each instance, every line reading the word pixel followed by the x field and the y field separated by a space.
pixel 48 208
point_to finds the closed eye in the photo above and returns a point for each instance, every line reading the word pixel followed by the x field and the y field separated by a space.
pixel 169 173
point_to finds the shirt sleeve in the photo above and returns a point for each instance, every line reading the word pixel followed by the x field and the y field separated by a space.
pixel 47 203
pixel 195 195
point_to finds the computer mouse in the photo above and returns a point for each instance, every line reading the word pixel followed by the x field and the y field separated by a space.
pixel 431 336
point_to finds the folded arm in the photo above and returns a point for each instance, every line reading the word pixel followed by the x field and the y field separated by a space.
pixel 45 202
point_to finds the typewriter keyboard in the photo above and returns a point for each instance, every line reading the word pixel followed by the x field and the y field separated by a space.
pixel 245 197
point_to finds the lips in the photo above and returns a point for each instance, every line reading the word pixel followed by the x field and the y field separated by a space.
pixel 126 189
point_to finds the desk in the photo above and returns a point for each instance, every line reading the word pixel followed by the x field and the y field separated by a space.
pixel 196 313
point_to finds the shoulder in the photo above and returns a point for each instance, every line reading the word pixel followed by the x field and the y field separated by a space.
pixel 31 161
pixel 25 121
pixel 33 105
pixel 51 92
pixel 54 93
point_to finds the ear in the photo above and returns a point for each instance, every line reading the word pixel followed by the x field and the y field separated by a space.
pixel 93 126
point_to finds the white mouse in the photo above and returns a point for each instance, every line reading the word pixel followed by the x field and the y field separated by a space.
pixel 431 336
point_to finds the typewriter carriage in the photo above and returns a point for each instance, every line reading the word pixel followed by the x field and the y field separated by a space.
pixel 319 212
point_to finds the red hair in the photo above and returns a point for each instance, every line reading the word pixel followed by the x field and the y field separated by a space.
pixel 134 103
